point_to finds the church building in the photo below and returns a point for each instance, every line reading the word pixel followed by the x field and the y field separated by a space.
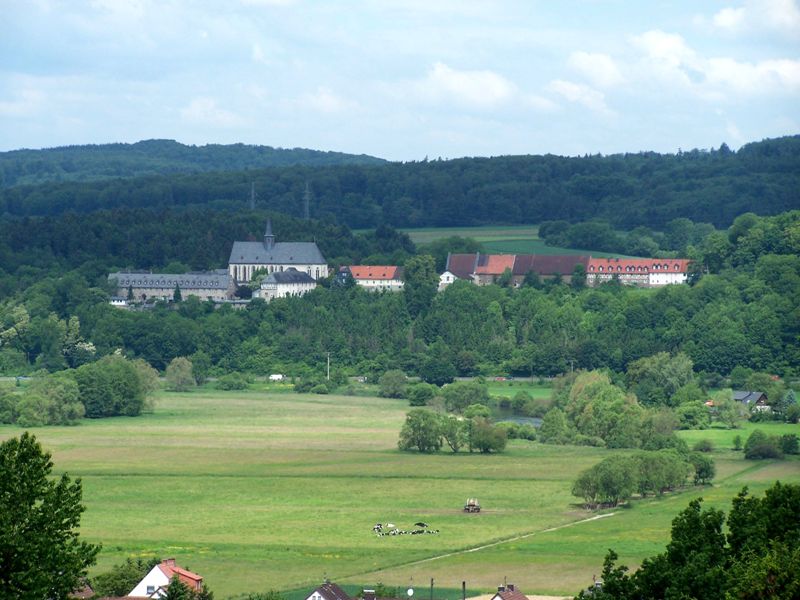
pixel 275 257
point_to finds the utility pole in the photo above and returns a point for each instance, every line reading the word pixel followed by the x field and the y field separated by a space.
pixel 329 366
pixel 431 588
pixel 307 202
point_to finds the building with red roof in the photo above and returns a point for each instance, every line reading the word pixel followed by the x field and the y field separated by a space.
pixel 154 584
pixel 378 277
pixel 645 272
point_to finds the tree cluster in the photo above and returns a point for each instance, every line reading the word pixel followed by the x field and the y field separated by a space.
pixel 759 557
pixel 617 478
pixel 427 431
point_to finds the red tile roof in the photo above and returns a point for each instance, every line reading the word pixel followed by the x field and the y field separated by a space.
pixel 461 265
pixel 169 568
pixel 376 272
pixel 494 264
pixel 638 265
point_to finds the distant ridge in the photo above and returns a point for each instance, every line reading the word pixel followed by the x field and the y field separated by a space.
pixel 97 162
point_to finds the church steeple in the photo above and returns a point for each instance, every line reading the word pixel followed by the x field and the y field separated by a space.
pixel 269 239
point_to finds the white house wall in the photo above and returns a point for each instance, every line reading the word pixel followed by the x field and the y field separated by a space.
pixel 155 579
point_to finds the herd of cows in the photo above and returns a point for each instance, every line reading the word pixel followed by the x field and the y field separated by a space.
pixel 391 529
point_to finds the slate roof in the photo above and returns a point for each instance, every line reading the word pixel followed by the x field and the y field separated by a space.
pixel 749 397
pixel 290 275
pixel 187 281
pixel 281 253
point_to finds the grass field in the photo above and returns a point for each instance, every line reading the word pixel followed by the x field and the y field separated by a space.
pixel 261 491
pixel 512 239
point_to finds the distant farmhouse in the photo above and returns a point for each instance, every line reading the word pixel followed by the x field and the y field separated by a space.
pixel 374 277
pixel 273 257
pixel 485 269
pixel 155 583
pixel 141 286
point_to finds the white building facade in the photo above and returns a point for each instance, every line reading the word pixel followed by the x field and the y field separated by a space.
pixel 274 257
pixel 285 284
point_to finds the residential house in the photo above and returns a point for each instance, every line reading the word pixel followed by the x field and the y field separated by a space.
pixel 508 592
pixel 446 279
pixel 373 277
pixel 328 591
pixel 284 284
pixel 154 584
pixel 248 257
pixel 756 401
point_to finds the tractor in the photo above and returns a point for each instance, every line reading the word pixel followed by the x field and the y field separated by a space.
pixel 472 505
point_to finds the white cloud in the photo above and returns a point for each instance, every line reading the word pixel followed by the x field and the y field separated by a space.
pixel 28 102
pixel 204 110
pixel 757 15
pixel 600 69
pixel 580 94
pixel 754 78
pixel 479 89
pixel 670 49
pixel 729 18
pixel 325 101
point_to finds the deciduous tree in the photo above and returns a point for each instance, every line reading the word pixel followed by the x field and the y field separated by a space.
pixel 41 555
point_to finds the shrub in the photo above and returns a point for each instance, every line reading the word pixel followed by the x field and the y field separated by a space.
pixel 232 381
pixel 179 375
pixel 789 444
pixel 320 388
pixel 392 384
pixel 737 442
pixel 760 445
pixel 110 386
pixel 703 446
pixel 421 393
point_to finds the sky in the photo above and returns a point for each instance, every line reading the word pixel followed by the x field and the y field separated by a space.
pixel 402 79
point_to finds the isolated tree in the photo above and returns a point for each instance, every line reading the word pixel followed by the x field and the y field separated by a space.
pixel 177 590
pixel 111 386
pixel 176 295
pixel 201 364
pixel 421 431
pixel 392 384
pixel 41 556
pixel 179 375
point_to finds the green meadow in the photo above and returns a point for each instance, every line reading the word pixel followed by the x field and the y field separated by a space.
pixel 512 239
pixel 259 490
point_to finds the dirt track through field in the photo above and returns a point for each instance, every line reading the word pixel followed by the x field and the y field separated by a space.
pixel 490 545
pixel 507 540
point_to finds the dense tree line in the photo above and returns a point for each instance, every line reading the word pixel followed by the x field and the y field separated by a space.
pixel 91 246
pixel 152 157
pixel 758 557
pixel 645 189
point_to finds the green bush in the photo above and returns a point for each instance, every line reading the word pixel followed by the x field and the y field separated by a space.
pixel 760 445
pixel 703 446
pixel 320 388
pixel 232 381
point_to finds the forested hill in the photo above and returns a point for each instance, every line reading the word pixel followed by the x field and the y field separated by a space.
pixel 154 157
pixel 627 190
